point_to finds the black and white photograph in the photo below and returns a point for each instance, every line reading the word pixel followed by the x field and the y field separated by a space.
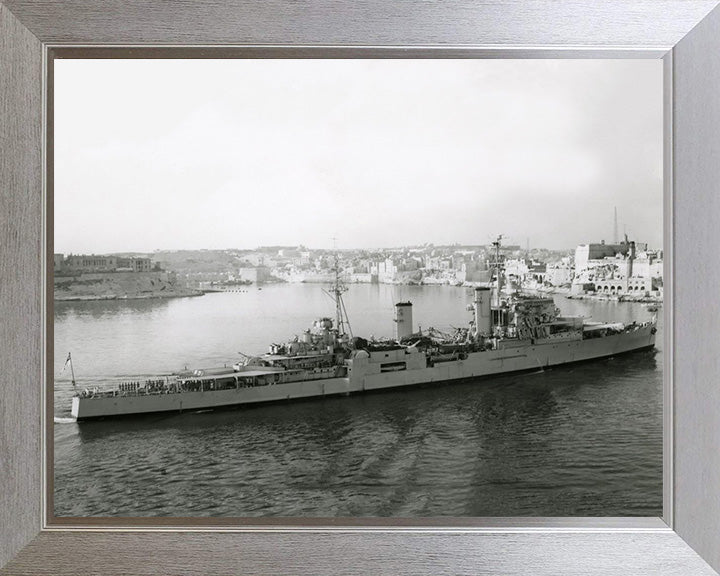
pixel 331 288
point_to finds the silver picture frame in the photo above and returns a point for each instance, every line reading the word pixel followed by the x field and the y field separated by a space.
pixel 684 33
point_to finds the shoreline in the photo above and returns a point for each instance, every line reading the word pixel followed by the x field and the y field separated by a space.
pixel 194 294
pixel 658 301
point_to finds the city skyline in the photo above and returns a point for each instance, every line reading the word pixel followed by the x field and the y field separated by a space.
pixel 170 155
pixel 507 244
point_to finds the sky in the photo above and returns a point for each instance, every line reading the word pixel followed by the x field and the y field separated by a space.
pixel 217 154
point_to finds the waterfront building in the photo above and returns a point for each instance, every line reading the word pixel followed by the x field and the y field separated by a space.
pixel 288 253
pixel 537 272
pixel 387 270
pixel 516 268
pixel 101 263
pixel 255 259
pixel 628 286
pixel 134 265
pixel 474 272
pixel 560 273
pixel 91 263
pixel 432 262
pixel 625 269
pixel 410 264
pixel 254 274
pixel 522 272
pixel 591 255
pixel 304 258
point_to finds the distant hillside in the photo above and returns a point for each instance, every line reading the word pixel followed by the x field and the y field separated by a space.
pixel 199 261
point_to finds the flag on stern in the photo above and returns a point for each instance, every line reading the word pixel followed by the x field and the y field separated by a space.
pixel 66 363
pixel 72 370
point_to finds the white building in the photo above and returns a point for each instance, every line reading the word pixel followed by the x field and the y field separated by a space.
pixel 560 274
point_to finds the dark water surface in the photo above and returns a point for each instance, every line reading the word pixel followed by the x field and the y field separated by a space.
pixel 582 440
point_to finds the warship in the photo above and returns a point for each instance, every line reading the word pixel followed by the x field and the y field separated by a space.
pixel 507 333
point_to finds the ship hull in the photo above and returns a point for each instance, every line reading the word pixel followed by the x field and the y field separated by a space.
pixel 531 356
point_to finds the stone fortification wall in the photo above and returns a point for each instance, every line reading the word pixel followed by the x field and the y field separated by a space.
pixel 119 285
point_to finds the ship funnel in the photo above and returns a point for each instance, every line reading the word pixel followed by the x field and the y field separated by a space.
pixel 403 320
pixel 483 314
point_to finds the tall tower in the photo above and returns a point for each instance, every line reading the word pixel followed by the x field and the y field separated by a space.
pixel 615 229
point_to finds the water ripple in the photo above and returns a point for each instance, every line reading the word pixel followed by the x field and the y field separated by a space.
pixel 581 440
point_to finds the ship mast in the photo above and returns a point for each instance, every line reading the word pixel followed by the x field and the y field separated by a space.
pixel 336 292
pixel 496 244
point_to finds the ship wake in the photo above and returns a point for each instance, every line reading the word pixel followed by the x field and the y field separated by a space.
pixel 61 420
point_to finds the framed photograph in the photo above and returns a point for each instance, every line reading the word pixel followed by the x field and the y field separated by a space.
pixel 325 228
pixel 86 341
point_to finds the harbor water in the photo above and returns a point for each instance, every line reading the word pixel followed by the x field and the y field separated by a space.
pixel 579 440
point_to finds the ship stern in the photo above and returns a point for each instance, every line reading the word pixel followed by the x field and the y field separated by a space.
pixel 75 409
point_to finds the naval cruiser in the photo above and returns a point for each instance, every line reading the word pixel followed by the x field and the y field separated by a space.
pixel 506 333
